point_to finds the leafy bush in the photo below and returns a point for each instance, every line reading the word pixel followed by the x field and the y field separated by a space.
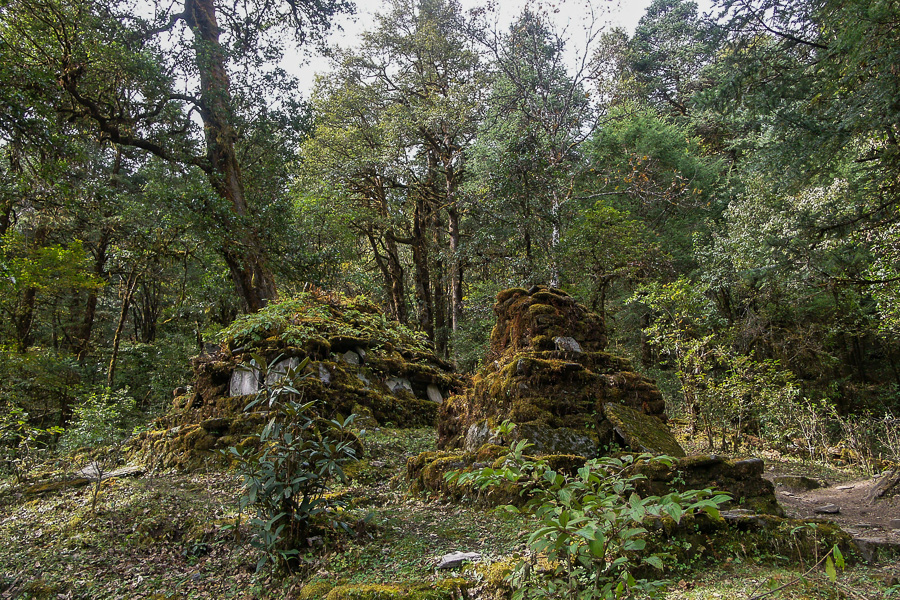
pixel 21 442
pixel 592 526
pixel 287 472
pixel 99 424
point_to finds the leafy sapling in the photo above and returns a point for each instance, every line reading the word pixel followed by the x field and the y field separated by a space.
pixel 288 470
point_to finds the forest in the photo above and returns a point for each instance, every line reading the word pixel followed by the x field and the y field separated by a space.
pixel 721 189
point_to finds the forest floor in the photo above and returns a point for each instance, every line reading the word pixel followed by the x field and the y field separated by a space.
pixel 166 535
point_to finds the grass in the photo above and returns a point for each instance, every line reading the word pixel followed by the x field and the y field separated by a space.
pixel 174 536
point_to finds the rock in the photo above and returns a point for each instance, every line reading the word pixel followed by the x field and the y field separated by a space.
pixel 894 523
pixel 456 559
pixel 91 472
pixel 640 432
pixel 567 344
pixel 278 371
pixel 434 394
pixel 244 381
pixel 398 384
pixel 312 326
pixel 828 509
pixel 871 548
pixel 324 374
pixel 888 485
pixel 215 424
pixel 796 483
pixel 478 435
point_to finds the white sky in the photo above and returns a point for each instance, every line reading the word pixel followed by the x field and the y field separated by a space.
pixel 569 15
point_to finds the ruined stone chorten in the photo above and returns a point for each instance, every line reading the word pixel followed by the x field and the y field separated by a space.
pixel 359 362
pixel 548 372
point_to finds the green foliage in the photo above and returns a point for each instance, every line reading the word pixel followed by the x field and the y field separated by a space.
pixel 289 467
pixel 99 420
pixel 721 388
pixel 591 526
pixel 21 442
pixel 295 321
pixel 606 244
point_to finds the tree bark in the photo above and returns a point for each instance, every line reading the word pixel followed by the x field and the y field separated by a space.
pixel 422 273
pixel 242 251
pixel 456 268
pixel 130 283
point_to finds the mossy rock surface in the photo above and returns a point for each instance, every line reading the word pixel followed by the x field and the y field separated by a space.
pixel 548 373
pixel 358 362
pixel 448 589
pixel 640 432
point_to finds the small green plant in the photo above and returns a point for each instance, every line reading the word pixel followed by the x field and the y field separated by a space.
pixel 592 526
pixel 21 442
pixel 287 472
pixel 99 425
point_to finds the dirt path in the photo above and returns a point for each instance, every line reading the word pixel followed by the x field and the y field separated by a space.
pixel 874 523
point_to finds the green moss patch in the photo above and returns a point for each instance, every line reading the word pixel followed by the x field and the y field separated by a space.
pixel 640 432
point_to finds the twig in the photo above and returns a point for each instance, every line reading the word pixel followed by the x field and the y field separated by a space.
pixel 792 582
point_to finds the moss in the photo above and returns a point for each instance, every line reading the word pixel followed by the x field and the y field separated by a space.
pixel 505 295
pixel 365 591
pixel 54 486
pixel 641 432
pixel 317 590
pixel 495 573
pixel 490 452
pixel 541 309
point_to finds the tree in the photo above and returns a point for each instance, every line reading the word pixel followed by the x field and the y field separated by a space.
pixel 668 52
pixel 395 121
pixel 127 78
pixel 527 155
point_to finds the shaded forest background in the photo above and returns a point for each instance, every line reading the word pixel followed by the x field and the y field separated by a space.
pixel 722 188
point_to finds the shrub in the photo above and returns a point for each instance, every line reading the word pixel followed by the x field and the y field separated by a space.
pixel 99 424
pixel 288 470
pixel 591 526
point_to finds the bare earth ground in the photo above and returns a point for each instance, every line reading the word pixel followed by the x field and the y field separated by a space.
pixel 857 512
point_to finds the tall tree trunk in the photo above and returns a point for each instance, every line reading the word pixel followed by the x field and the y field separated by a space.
pixel 398 283
pixel 83 336
pixel 130 284
pixel 422 273
pixel 456 268
pixel 439 285
pixel 24 317
pixel 242 249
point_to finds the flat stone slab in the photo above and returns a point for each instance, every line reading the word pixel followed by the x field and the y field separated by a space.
pixel 872 548
pixel 797 483
pixel 567 344
pixel 244 381
pixel 456 559
pixel 434 394
pixel 642 433
pixel 828 509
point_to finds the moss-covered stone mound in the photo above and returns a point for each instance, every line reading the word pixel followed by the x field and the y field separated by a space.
pixel 741 479
pixel 548 373
pixel 359 362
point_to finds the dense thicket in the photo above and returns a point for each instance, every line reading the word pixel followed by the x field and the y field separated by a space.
pixel 722 188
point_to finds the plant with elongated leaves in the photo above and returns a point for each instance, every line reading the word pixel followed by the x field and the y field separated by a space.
pixel 591 525
pixel 289 469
